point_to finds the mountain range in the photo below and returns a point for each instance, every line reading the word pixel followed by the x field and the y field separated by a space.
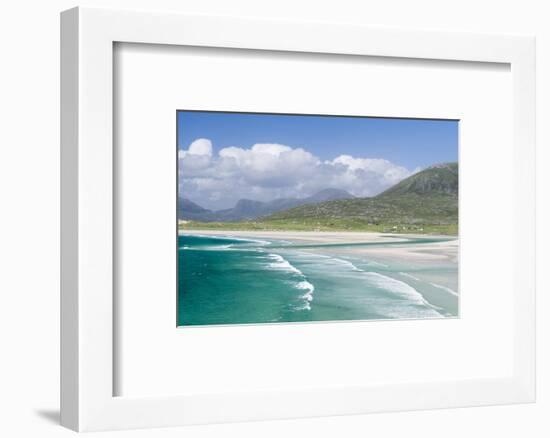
pixel 425 202
pixel 247 209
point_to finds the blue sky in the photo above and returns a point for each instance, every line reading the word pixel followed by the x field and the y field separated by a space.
pixel 410 143
pixel 224 157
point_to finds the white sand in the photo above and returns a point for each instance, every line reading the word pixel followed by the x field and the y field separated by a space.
pixel 302 236
pixel 427 252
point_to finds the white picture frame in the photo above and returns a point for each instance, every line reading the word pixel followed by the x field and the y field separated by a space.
pixel 87 318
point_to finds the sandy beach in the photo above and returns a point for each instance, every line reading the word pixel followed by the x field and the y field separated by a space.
pixel 424 252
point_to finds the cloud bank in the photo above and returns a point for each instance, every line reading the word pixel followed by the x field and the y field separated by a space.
pixel 268 170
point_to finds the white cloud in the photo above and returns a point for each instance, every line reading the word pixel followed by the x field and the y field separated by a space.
pixel 379 169
pixel 201 146
pixel 267 171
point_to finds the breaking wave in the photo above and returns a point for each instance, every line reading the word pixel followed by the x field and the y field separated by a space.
pixel 278 262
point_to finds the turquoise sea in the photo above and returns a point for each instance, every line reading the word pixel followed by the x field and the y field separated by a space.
pixel 234 280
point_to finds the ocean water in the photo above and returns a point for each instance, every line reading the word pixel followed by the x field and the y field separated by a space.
pixel 229 280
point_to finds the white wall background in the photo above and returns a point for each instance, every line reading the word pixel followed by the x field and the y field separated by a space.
pixel 29 218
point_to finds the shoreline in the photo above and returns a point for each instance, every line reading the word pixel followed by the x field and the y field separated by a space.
pixel 424 252
pixel 337 235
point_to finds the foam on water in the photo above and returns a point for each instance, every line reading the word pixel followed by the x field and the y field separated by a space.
pixel 377 264
pixel 347 264
pixel 401 289
pixel 307 297
pixel 413 305
pixel 404 274
pixel 446 289
pixel 333 261
pixel 226 237
pixel 242 239
pixel 280 263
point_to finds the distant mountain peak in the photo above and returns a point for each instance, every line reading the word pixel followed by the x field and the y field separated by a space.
pixel 188 205
pixel 247 206
pixel 329 194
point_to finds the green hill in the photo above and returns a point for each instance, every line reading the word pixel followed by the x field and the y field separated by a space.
pixel 441 178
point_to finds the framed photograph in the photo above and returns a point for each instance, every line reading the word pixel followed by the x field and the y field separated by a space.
pixel 278 232
pixel 336 222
